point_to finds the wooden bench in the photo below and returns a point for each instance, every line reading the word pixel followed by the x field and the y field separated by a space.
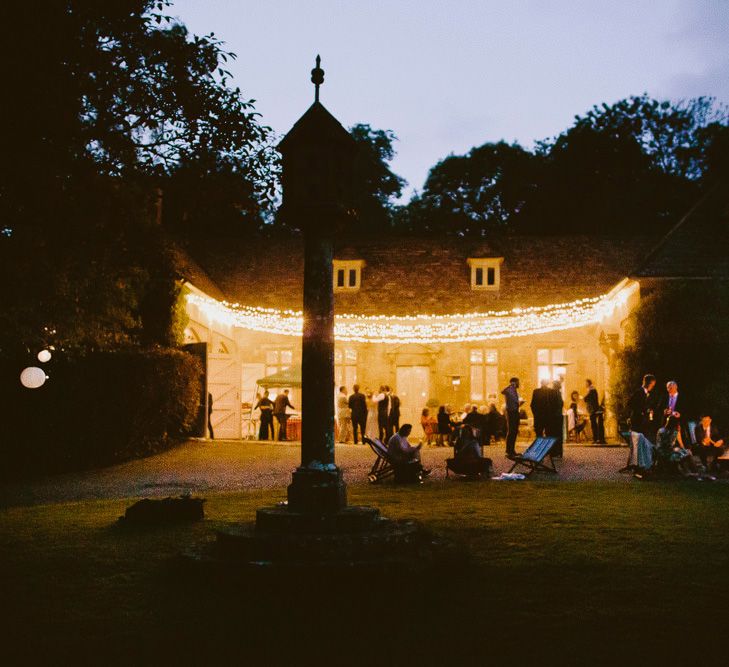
pixel 534 455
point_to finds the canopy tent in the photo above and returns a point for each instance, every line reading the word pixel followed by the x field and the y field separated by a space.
pixel 291 377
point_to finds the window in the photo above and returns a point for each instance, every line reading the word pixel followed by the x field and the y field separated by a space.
pixel 551 364
pixel 278 360
pixel 484 374
pixel 485 273
pixel 345 367
pixel 347 275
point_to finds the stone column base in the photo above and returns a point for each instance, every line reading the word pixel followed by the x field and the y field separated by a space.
pixel 317 489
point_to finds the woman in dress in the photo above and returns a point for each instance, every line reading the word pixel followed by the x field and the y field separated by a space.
pixel 371 429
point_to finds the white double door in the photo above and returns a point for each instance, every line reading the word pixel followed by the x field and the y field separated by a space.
pixel 412 385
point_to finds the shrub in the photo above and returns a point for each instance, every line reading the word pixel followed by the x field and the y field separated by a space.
pixel 101 409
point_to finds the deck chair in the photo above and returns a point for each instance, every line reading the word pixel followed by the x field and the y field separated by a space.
pixel 382 467
pixel 534 455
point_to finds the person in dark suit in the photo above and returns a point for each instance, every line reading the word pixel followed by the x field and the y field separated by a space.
pixel 555 420
pixel 709 442
pixel 265 405
pixel 596 412
pixel 444 427
pixel 393 422
pixel 382 398
pixel 642 409
pixel 358 405
pixel 513 403
pixel 279 411
pixel 540 407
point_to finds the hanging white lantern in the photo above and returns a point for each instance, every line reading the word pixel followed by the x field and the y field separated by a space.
pixel 43 356
pixel 33 377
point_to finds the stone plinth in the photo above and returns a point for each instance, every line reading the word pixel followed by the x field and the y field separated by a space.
pixel 317 490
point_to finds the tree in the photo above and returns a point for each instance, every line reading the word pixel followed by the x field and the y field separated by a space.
pixel 475 193
pixel 377 185
pixel 115 101
pixel 631 167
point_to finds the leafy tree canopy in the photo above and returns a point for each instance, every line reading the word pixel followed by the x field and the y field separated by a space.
pixel 115 101
pixel 631 167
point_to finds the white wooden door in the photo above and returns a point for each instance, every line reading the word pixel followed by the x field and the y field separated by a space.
pixel 413 387
pixel 224 377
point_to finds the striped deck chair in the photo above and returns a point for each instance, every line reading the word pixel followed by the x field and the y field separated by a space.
pixel 382 468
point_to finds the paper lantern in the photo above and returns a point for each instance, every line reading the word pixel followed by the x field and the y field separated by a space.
pixel 33 377
pixel 43 356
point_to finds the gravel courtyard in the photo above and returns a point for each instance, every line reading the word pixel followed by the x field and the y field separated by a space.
pixel 204 466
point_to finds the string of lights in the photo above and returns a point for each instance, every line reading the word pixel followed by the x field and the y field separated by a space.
pixel 466 327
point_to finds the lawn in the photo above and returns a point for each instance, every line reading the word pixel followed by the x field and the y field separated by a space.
pixel 561 572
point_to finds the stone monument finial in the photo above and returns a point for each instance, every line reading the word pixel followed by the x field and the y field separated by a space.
pixel 317 77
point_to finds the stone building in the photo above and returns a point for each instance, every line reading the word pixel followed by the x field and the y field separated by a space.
pixel 440 320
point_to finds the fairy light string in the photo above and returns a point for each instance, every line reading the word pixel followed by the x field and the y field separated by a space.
pixel 465 327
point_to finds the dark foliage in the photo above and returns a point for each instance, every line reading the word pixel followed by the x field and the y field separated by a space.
pixel 113 104
pixel 679 332
pixel 636 165
pixel 97 410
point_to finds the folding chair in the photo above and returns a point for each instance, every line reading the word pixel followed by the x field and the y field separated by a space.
pixel 382 467
pixel 534 455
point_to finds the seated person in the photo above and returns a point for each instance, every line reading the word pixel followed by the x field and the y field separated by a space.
pixel 709 442
pixel 468 451
pixel 401 452
pixel 669 447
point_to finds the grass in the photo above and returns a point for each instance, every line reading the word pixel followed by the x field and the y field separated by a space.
pixel 583 572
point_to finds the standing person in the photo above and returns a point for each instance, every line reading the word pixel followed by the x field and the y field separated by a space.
pixel 642 408
pixel 393 420
pixel 513 402
pixel 265 405
pixel 358 408
pixel 279 411
pixel 444 427
pixel 371 430
pixel 344 416
pixel 596 412
pixel 669 438
pixel 210 415
pixel 555 419
pixel 383 413
pixel 540 408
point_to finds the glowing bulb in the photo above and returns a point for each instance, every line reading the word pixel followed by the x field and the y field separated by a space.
pixel 44 356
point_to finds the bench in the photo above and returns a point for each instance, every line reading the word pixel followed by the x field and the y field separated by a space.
pixel 534 455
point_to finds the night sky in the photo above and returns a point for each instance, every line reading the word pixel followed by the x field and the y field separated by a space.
pixel 446 76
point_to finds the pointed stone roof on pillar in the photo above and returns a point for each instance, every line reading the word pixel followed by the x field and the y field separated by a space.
pixel 318 158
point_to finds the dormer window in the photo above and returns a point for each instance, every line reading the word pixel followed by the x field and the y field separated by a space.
pixel 485 272
pixel 347 275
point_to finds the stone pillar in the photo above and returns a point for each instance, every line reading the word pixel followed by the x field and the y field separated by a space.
pixel 317 484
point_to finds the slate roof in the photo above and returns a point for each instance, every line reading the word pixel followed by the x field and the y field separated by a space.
pixel 696 247
pixel 409 276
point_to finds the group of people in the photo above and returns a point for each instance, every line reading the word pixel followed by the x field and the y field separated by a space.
pixel 270 409
pixel 375 415
pixel 659 428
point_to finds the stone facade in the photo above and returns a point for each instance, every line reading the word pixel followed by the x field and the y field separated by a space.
pixel 434 277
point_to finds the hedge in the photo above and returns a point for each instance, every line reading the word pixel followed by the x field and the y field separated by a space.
pixel 100 409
